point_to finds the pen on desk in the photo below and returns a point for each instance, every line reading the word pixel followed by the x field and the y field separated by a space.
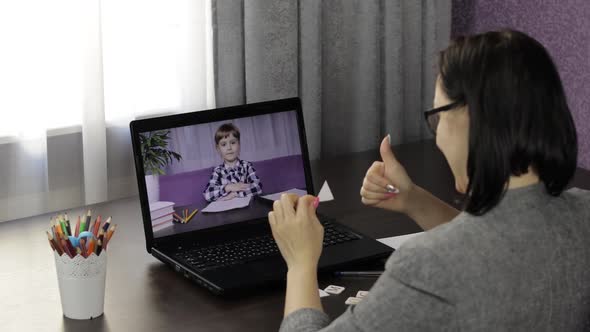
pixel 358 273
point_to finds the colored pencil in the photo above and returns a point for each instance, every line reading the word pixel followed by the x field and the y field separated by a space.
pixel 96 225
pixel 98 247
pixel 101 234
pixel 63 227
pixel 66 249
pixel 107 223
pixel 68 226
pixel 78 227
pixel 110 235
pixel 88 220
pixel 90 247
pixel 70 247
pixel 191 215
pixel 83 247
pixel 53 244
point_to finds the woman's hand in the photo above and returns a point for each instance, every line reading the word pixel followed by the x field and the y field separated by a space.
pixel 382 174
pixel 297 231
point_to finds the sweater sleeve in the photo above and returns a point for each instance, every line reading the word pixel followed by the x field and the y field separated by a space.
pixel 409 296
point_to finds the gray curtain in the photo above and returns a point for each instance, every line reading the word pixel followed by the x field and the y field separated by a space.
pixel 363 68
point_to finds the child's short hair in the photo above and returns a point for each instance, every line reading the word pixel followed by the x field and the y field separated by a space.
pixel 225 130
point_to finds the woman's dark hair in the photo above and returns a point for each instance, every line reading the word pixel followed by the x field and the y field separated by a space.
pixel 518 113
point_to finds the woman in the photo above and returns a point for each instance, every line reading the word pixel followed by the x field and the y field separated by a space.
pixel 517 257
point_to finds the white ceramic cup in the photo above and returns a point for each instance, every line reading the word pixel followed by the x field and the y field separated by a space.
pixel 81 284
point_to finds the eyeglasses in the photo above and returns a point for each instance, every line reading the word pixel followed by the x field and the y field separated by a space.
pixel 432 116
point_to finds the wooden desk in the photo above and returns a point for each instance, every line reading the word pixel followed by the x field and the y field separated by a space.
pixel 142 294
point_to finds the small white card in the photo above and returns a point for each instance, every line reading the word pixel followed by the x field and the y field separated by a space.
pixel 352 300
pixel 322 293
pixel 325 193
pixel 333 289
pixel 360 294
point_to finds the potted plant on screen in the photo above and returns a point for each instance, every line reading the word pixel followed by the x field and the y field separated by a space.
pixel 156 155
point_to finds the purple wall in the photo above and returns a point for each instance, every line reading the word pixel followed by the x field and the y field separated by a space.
pixel 562 26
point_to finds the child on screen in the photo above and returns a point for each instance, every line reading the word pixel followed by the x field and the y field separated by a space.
pixel 234 177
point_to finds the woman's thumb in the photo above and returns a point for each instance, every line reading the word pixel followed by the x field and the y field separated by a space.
pixel 386 153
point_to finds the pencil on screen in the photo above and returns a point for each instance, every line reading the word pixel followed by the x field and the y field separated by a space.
pixel 191 215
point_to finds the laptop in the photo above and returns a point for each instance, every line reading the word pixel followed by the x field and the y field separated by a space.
pixel 207 181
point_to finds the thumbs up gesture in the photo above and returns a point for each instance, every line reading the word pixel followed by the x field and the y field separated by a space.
pixel 386 184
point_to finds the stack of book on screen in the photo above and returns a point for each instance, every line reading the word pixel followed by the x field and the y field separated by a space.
pixel 161 214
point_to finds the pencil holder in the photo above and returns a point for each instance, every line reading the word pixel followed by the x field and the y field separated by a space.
pixel 81 284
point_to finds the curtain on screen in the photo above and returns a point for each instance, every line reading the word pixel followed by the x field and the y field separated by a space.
pixel 73 74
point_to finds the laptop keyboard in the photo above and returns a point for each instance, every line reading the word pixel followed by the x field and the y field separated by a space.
pixel 241 251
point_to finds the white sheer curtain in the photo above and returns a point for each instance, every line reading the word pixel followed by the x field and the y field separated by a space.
pixel 73 74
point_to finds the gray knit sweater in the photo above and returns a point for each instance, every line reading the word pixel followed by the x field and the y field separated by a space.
pixel 523 266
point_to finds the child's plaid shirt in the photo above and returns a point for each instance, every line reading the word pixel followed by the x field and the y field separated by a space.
pixel 222 175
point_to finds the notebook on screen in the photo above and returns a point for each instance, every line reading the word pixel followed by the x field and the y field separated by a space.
pixel 206 182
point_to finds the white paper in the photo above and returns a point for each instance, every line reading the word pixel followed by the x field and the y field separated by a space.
pixel 221 205
pixel 325 193
pixel 396 241
pixel 277 196
pixel 322 293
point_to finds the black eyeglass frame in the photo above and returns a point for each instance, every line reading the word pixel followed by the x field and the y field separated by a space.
pixel 435 110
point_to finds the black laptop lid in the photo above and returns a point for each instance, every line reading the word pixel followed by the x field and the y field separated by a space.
pixel 185 162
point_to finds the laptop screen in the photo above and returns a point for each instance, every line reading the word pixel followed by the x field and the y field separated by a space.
pixel 218 173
